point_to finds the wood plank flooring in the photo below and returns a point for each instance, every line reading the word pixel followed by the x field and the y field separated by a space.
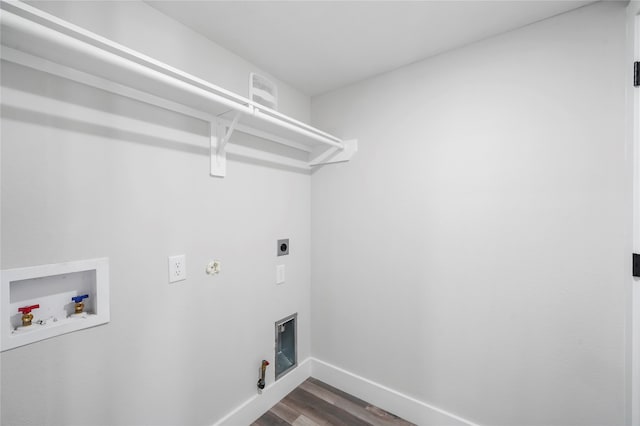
pixel 315 403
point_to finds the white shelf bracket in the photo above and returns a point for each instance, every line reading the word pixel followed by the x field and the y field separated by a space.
pixel 218 157
pixel 229 131
pixel 220 133
pixel 336 155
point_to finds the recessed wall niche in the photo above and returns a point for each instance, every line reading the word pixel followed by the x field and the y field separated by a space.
pixel 40 302
pixel 286 357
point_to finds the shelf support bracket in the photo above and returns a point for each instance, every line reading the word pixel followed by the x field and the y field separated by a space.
pixel 219 135
pixel 335 155
pixel 229 132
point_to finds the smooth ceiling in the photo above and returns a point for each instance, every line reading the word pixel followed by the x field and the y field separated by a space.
pixel 319 46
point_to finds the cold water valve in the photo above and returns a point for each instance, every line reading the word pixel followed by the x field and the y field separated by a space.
pixel 79 308
pixel 27 316
pixel 78 301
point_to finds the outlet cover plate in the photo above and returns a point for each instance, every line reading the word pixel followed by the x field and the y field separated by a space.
pixel 280 274
pixel 283 247
pixel 177 268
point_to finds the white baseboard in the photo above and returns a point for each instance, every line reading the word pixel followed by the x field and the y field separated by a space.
pixel 408 408
pixel 401 405
pixel 259 404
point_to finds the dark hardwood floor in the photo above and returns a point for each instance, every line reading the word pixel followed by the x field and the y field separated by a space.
pixel 315 403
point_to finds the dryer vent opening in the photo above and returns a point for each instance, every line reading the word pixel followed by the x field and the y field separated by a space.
pixel 286 345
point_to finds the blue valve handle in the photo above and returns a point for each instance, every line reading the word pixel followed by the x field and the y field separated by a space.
pixel 78 299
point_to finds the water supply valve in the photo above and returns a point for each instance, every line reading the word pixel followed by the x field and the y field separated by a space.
pixel 263 369
pixel 79 305
pixel 27 316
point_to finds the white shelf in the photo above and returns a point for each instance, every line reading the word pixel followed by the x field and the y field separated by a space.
pixel 33 38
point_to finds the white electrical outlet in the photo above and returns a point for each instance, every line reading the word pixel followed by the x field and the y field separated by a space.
pixel 177 268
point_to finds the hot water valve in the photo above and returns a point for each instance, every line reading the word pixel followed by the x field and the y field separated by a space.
pixel 27 316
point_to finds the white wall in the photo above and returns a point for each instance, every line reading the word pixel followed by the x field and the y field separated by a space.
pixel 86 174
pixel 473 255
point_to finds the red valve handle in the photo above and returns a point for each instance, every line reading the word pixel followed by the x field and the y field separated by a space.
pixel 27 309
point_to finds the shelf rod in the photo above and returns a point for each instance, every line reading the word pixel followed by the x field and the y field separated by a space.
pixel 21 24
pixel 54 23
pixel 299 130
pixel 11 20
pixel 293 121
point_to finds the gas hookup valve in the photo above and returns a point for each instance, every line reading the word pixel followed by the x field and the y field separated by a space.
pixel 263 369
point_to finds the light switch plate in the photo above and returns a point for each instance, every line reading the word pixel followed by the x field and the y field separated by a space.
pixel 280 274
pixel 177 268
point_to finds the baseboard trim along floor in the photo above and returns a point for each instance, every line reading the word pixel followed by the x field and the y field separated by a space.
pixel 390 400
pixel 257 405
pixel 395 402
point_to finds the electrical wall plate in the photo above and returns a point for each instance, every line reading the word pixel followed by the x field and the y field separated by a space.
pixel 177 268
pixel 283 247
pixel 280 274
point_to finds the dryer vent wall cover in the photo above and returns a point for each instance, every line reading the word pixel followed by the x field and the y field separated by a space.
pixel 286 356
pixel 263 91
